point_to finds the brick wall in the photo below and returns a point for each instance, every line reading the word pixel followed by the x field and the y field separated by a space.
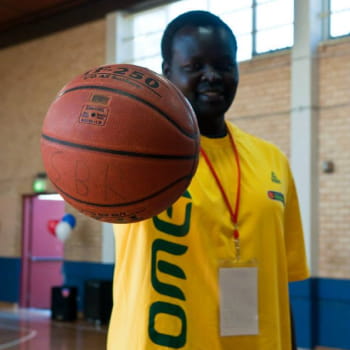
pixel 334 145
pixel 262 104
pixel 31 75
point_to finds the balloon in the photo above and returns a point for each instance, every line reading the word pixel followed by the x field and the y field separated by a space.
pixel 70 219
pixel 51 226
pixel 63 230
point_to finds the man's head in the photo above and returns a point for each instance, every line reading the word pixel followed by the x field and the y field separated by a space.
pixel 199 56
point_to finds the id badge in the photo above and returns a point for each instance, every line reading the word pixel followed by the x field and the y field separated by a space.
pixel 238 300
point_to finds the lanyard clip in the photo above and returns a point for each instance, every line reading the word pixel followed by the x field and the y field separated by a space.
pixel 237 242
pixel 238 249
pixel 235 231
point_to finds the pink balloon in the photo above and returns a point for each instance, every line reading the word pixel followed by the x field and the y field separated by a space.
pixel 51 226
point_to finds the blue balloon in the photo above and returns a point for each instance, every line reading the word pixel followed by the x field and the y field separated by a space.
pixel 70 219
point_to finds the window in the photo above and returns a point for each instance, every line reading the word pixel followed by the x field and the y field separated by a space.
pixel 259 25
pixel 339 18
pixel 274 25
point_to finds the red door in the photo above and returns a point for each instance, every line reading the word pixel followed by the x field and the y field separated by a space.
pixel 42 252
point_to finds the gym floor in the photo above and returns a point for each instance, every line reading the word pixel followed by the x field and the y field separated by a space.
pixel 34 330
pixel 27 329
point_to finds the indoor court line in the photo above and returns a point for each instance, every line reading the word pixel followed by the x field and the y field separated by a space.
pixel 31 335
pixel 14 334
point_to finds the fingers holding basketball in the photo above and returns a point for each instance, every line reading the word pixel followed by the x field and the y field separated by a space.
pixel 120 143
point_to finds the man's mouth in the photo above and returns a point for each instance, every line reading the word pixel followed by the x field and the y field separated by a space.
pixel 211 95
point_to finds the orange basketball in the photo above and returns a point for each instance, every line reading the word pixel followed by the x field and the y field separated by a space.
pixel 120 143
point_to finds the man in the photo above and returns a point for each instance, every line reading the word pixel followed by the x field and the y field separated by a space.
pixel 212 271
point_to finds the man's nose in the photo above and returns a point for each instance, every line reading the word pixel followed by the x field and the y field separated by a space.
pixel 211 74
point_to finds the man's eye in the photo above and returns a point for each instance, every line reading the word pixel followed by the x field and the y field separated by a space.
pixel 227 67
pixel 192 67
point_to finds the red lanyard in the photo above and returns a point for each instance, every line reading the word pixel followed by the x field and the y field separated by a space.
pixel 233 213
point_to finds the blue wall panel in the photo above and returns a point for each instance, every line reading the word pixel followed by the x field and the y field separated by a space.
pixel 10 275
pixel 304 309
pixel 334 313
pixel 77 273
pixel 321 308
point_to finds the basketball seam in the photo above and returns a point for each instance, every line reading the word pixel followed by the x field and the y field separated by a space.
pixel 116 205
pixel 116 152
pixel 137 98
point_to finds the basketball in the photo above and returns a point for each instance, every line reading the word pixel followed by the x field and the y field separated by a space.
pixel 120 143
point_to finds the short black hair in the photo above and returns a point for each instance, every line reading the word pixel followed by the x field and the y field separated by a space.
pixel 191 18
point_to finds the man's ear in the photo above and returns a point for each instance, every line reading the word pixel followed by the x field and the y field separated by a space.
pixel 166 69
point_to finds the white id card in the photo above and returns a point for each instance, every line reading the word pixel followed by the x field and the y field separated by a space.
pixel 238 301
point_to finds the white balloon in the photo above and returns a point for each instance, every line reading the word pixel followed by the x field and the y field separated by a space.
pixel 63 230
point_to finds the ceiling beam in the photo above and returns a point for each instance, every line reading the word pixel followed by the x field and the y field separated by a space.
pixel 45 23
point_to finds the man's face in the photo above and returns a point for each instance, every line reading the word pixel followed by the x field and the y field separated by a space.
pixel 204 68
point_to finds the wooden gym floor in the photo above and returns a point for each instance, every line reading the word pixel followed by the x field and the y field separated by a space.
pixel 27 329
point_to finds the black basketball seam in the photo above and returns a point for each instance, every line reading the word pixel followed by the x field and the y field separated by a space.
pixel 126 203
pixel 116 152
pixel 137 98
pixel 137 81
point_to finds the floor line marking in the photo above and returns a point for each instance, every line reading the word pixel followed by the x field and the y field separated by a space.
pixel 32 334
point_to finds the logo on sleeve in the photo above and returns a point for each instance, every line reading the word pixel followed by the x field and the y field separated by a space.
pixel 277 196
pixel 274 178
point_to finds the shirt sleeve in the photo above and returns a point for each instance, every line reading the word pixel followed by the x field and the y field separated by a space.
pixel 294 236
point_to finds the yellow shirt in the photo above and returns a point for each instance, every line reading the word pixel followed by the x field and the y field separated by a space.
pixel 166 293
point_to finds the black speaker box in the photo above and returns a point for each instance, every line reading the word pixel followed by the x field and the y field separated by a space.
pixel 64 303
pixel 98 301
